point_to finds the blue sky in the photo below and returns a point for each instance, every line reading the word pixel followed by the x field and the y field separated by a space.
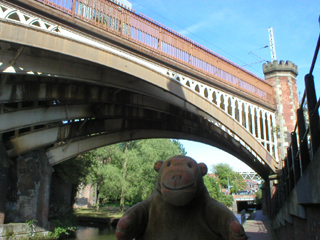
pixel 238 30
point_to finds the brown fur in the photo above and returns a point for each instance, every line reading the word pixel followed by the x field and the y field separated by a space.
pixel 180 208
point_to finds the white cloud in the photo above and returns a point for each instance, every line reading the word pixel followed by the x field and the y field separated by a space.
pixel 193 28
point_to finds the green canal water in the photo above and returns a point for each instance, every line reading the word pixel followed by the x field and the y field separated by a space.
pixel 94 233
pixel 102 232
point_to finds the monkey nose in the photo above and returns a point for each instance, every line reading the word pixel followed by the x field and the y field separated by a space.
pixel 176 177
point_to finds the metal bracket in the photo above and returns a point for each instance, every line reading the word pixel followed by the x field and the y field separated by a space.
pixel 4 76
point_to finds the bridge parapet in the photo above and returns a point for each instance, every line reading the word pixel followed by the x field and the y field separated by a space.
pixel 141 30
pixel 241 198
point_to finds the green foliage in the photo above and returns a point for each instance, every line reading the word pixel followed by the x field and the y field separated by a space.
pixel 9 234
pixel 226 200
pixel 123 170
pixel 258 199
pixel 212 186
pixel 225 172
pixel 64 225
pixel 31 225
pixel 76 170
pixel 31 222
pixel 215 192
pixel 181 148
pixel 107 174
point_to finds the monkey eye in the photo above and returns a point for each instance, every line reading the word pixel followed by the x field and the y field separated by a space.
pixel 189 165
pixel 169 163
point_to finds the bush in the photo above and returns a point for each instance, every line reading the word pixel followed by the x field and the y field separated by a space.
pixel 226 200
pixel 64 224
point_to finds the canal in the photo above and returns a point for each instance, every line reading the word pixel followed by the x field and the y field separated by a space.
pixel 95 232
pixel 101 231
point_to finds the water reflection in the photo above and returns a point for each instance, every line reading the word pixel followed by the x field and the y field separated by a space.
pixel 95 233
pixel 102 232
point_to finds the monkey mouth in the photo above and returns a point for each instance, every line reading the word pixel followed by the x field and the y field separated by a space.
pixel 177 189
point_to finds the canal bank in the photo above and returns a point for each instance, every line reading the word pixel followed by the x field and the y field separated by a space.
pixel 105 221
pixel 106 215
pixel 17 231
pixel 89 221
pixel 95 225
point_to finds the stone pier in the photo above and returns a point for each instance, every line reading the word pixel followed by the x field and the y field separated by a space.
pixel 4 171
pixel 29 189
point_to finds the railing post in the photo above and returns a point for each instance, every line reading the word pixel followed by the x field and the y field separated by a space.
pixel 73 10
pixel 288 177
pixel 290 169
pixel 283 186
pixel 121 23
pixel 295 158
pixel 191 53
pixel 313 113
pixel 285 179
pixel 303 143
pixel 160 39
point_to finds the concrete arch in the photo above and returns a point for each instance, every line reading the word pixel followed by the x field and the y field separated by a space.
pixel 138 77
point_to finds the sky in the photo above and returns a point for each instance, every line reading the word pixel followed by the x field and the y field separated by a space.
pixel 238 31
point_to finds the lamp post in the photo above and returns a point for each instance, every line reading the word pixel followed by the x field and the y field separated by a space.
pixel 228 186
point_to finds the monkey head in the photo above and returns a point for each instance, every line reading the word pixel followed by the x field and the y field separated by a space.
pixel 179 179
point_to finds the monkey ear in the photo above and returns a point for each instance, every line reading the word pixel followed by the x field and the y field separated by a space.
pixel 203 168
pixel 158 165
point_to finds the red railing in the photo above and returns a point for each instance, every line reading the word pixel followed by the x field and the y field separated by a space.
pixel 119 20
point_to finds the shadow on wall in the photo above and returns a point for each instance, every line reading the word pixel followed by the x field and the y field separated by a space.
pixel 175 87
pixel 82 202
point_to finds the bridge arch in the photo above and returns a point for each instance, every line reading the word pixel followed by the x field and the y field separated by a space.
pixel 100 68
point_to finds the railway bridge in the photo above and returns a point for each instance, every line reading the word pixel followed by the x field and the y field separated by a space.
pixel 81 74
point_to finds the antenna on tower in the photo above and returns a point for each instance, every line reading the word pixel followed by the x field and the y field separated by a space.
pixel 272 45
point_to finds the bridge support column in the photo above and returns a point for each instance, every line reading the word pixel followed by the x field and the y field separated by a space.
pixel 4 171
pixel 266 198
pixel 44 190
pixel 31 200
pixel 282 76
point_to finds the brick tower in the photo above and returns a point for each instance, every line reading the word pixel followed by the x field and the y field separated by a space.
pixel 282 76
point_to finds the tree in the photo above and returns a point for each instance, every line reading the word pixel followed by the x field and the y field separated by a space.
pixel 124 186
pixel 258 199
pixel 181 148
pixel 212 186
pixel 141 176
pixel 215 191
pixel 225 173
pixel 226 200
pixel 124 171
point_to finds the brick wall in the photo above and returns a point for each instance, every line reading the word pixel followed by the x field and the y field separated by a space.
pixel 30 181
pixel 282 76
pixel 85 196
pixel 4 183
